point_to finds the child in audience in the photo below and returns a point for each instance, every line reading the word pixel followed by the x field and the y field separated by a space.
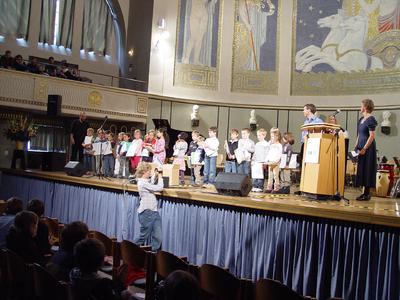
pixel 62 262
pixel 191 150
pixel 136 149
pixel 123 158
pixel 108 157
pixel 86 281
pixel 261 150
pixel 180 285
pixel 287 141
pixel 149 218
pixel 118 147
pixel 159 153
pixel 101 138
pixel 246 149
pixel 13 206
pixel 180 149
pixel 42 236
pixel 210 145
pixel 148 144
pixel 197 160
pixel 21 237
pixel 88 157
pixel 273 160
pixel 230 148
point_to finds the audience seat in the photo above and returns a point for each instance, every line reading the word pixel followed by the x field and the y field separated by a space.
pixel 3 205
pixel 274 290
pixel 46 287
pixel 112 250
pixel 54 230
pixel 218 283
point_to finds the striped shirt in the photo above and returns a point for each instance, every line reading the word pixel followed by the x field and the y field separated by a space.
pixel 146 192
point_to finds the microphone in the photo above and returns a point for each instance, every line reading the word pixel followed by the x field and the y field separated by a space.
pixel 106 117
pixel 336 112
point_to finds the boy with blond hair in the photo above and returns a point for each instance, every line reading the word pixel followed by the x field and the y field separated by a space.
pixel 246 148
pixel 261 150
pixel 210 145
pixel 273 160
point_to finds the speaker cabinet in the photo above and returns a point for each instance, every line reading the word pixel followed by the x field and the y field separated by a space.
pixel 54 105
pixel 74 168
pixel 53 161
pixel 233 184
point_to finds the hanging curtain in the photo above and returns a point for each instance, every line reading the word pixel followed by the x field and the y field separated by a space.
pixel 14 18
pixel 66 21
pixel 97 27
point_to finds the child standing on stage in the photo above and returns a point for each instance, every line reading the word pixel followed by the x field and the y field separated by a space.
pixel 88 159
pixel 118 147
pixel 246 148
pixel 159 153
pixel 273 160
pixel 123 159
pixel 101 138
pixel 261 150
pixel 288 141
pixel 210 145
pixel 197 160
pixel 135 149
pixel 191 151
pixel 149 218
pixel 108 157
pixel 230 147
pixel 180 149
pixel 148 144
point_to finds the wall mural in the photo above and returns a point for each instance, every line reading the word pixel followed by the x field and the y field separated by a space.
pixel 198 43
pixel 255 51
pixel 346 47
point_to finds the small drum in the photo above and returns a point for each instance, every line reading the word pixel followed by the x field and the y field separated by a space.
pixel 382 183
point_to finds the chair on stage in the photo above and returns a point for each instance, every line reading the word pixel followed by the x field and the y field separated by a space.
pixel 112 252
pixel 218 283
pixel 46 287
pixel 137 259
pixel 54 230
pixel 17 276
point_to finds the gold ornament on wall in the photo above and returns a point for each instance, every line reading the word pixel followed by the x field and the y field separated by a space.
pixel 94 99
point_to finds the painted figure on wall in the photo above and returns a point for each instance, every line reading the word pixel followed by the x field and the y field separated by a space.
pixel 347 36
pixel 252 15
pixel 198 32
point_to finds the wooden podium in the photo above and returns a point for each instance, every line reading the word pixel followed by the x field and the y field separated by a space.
pixel 322 174
pixel 172 172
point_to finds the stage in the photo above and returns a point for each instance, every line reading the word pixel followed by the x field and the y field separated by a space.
pixel 319 248
pixel 379 211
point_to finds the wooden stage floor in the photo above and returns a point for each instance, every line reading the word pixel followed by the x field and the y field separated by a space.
pixel 379 211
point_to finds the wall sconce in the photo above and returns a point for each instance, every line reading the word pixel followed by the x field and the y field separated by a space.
pixel 131 52
pixel 161 24
pixel 194 116
pixel 253 120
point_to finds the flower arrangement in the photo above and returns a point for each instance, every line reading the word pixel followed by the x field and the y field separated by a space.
pixel 20 129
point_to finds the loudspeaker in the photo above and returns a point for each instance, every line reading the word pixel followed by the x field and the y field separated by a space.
pixel 233 184
pixel 53 161
pixel 54 105
pixel 74 168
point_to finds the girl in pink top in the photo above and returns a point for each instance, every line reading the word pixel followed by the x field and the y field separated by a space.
pixel 159 148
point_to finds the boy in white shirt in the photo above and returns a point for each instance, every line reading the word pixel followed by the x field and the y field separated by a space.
pixel 273 161
pixel 246 148
pixel 210 146
pixel 261 150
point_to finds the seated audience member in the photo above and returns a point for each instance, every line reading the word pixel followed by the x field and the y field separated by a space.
pixel 42 237
pixel 85 279
pixel 19 64
pixel 179 285
pixel 51 68
pixel 62 262
pixel 13 206
pixel 6 60
pixel 21 237
pixel 33 66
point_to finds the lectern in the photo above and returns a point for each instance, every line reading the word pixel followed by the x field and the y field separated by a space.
pixel 322 174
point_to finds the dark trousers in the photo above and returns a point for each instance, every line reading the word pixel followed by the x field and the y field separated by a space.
pixel 76 150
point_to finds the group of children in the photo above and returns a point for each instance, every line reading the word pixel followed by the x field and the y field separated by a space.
pixel 119 158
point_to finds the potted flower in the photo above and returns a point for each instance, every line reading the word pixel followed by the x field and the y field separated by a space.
pixel 20 130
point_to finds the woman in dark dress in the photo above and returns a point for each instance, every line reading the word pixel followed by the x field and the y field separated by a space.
pixel 365 145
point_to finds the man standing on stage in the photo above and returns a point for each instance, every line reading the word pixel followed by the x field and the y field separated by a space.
pixel 77 136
